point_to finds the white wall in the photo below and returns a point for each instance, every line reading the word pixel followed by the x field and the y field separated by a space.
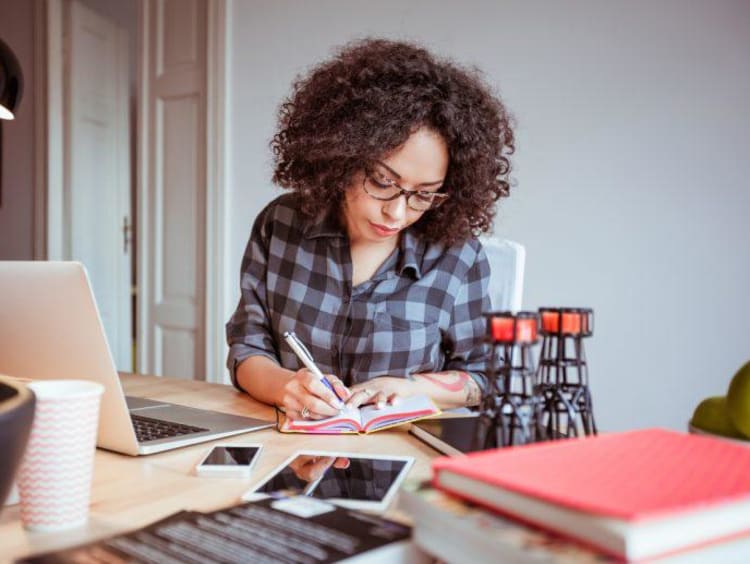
pixel 17 209
pixel 632 193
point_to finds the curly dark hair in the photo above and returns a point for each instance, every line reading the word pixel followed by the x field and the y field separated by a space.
pixel 366 101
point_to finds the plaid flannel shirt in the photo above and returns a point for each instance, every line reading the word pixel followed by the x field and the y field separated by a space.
pixel 420 312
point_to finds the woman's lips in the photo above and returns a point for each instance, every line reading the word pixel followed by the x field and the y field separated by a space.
pixel 383 230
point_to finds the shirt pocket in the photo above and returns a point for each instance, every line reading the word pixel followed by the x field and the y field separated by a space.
pixel 400 347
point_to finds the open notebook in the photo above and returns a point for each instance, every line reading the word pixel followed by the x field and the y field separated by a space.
pixel 366 419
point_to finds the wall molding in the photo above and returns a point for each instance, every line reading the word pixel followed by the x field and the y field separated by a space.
pixel 217 220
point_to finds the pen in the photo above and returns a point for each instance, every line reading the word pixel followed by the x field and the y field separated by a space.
pixel 304 355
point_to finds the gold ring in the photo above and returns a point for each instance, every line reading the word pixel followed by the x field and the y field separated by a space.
pixel 305 413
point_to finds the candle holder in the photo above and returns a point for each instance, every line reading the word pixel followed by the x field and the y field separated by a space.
pixel 510 406
pixel 565 408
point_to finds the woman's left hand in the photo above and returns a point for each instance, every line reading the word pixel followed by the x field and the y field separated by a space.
pixel 381 391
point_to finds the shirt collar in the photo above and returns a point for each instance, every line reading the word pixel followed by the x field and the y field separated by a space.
pixel 411 247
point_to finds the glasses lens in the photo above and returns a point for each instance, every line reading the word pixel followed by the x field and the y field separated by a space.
pixel 380 188
pixel 383 188
pixel 421 202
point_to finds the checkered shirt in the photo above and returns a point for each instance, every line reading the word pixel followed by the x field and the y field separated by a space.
pixel 420 312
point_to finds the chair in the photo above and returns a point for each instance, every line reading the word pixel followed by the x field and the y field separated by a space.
pixel 507 262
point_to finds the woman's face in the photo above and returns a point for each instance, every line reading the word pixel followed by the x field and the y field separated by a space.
pixel 419 164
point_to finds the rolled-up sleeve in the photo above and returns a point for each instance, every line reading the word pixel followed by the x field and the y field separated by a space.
pixel 248 329
pixel 467 350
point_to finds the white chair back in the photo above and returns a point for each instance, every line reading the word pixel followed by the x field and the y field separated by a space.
pixel 507 263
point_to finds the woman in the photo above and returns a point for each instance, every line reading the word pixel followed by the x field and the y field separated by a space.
pixel 394 160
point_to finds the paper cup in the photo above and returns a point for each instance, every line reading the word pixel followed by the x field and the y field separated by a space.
pixel 54 479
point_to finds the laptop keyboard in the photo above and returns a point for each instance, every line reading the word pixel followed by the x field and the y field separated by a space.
pixel 148 429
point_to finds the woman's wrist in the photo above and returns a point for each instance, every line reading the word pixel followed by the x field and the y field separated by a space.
pixel 263 379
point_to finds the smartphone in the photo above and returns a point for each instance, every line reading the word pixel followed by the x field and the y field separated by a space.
pixel 231 461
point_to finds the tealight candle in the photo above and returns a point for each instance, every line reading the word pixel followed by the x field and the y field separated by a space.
pixel 550 321
pixel 526 330
pixel 571 322
pixel 502 328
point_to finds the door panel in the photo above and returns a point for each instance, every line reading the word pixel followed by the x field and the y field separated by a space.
pixel 97 165
pixel 175 189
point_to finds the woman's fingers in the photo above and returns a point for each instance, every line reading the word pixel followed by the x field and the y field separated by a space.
pixel 318 389
pixel 307 397
pixel 307 407
pixel 341 390
pixel 360 396
pixel 341 463
pixel 317 468
pixel 380 399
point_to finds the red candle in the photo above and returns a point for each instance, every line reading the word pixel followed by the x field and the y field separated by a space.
pixel 502 329
pixel 550 321
pixel 571 322
pixel 526 330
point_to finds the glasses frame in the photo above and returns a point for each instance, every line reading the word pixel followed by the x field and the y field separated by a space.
pixel 438 198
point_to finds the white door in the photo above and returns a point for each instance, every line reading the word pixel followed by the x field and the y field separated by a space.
pixel 173 190
pixel 97 167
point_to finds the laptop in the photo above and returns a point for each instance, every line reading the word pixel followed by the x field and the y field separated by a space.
pixel 50 328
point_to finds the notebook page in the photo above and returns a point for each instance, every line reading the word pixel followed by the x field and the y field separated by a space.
pixel 346 421
pixel 407 409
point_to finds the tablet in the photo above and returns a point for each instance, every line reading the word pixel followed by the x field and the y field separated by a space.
pixel 350 480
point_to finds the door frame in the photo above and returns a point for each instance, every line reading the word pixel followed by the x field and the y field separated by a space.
pixel 49 228
pixel 216 213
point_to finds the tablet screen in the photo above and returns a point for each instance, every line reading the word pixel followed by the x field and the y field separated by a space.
pixel 351 479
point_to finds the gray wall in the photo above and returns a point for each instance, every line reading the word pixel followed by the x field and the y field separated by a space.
pixel 633 142
pixel 17 210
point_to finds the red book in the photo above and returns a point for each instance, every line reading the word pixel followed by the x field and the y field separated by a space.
pixel 635 495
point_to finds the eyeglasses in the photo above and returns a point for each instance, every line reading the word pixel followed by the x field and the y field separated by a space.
pixel 381 187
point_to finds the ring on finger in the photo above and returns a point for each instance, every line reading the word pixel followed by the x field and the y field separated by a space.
pixel 305 413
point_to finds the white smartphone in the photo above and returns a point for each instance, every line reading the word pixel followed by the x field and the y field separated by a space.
pixel 230 460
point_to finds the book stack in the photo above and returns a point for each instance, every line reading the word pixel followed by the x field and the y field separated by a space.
pixel 640 495
pixel 454 530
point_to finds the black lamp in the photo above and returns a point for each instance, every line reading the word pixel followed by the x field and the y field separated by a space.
pixel 11 82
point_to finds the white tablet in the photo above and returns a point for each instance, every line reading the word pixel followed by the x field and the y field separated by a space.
pixel 357 481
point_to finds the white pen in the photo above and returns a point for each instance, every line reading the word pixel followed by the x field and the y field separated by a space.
pixel 304 355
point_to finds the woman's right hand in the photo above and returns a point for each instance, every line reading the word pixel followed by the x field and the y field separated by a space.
pixel 305 390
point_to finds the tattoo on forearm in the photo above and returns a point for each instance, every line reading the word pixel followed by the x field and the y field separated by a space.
pixel 473 395
pixel 453 381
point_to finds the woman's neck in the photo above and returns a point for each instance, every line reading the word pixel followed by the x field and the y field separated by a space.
pixel 367 257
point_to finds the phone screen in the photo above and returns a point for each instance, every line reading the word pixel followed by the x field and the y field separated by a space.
pixel 231 456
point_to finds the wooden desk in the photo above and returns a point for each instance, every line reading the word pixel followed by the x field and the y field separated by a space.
pixel 131 492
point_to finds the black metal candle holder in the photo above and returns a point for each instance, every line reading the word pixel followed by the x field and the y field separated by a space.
pixel 565 408
pixel 511 404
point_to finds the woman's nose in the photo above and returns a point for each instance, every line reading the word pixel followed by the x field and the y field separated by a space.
pixel 396 209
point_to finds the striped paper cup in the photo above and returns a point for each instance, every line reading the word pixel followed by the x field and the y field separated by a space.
pixel 54 479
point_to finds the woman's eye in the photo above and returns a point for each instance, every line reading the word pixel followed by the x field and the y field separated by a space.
pixel 382 181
